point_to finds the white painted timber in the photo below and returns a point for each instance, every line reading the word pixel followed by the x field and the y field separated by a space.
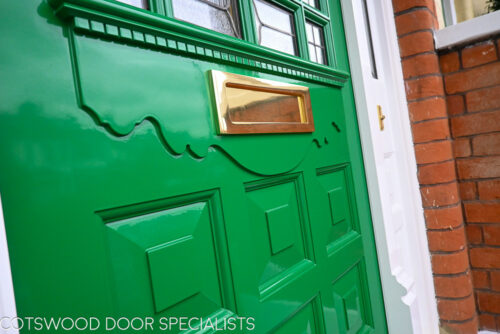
pixel 468 31
pixel 391 171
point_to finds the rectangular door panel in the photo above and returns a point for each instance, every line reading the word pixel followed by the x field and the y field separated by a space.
pixel 166 258
pixel 280 225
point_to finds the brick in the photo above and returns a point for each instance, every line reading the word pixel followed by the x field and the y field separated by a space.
pixel 479 54
pixel 433 152
pixel 416 43
pixel 461 148
pixel 440 195
pixel 468 191
pixel 486 144
pixel 477 212
pixel 455 104
pixel 444 218
pixel 480 279
pixel 477 123
pixel 483 99
pixel 477 77
pixel 434 107
pixel 453 286
pixel 477 168
pixel 420 19
pixel 437 173
pixel 485 257
pixel 420 65
pixel 488 301
pixel 424 87
pixel 487 321
pixel 489 190
pixel 452 263
pixel 492 235
pixel 430 130
pixel 400 5
pixel 447 240
pixel 456 309
pixel 449 62
pixel 465 327
pixel 474 234
pixel 495 280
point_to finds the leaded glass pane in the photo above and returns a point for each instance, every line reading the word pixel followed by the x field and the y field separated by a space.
pixel 320 56
pixel 136 3
pixel 217 15
pixel 312 52
pixel 316 43
pixel 312 3
pixel 275 27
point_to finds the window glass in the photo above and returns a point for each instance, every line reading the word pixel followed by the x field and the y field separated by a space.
pixel 217 15
pixel 136 3
pixel 316 43
pixel 456 11
pixel 275 27
pixel 368 32
pixel 312 3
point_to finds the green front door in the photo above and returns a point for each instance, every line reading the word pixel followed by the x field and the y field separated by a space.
pixel 121 198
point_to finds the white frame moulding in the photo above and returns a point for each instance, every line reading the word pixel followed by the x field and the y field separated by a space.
pixel 406 311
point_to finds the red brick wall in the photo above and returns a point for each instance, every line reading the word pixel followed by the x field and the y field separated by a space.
pixel 472 87
pixel 435 149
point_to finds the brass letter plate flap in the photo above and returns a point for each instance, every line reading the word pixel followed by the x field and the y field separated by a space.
pixel 248 105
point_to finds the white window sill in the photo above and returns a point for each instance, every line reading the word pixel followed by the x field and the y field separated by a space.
pixel 468 31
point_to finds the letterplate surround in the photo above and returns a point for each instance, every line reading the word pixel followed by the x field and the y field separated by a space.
pixel 262 106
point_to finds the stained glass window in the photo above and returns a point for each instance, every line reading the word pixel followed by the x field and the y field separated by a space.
pixel 217 15
pixel 275 27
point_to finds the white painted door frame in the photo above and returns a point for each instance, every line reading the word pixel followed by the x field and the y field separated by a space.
pixel 391 171
pixel 7 302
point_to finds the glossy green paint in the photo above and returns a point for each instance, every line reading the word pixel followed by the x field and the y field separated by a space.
pixel 120 199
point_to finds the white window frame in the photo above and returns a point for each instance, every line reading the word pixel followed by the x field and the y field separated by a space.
pixel 449 12
pixel 468 31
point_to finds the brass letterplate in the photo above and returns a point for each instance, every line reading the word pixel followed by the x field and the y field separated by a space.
pixel 247 105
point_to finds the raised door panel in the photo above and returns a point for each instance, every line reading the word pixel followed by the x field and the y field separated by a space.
pixel 166 259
